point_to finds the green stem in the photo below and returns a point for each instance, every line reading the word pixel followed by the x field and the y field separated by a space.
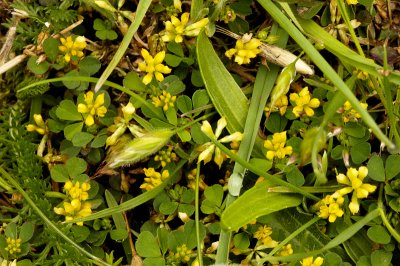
pixel 197 216
pixel 46 220
pixel 385 221
pixel 274 179
pixel 346 19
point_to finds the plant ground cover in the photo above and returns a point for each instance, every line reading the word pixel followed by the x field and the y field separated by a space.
pixel 199 132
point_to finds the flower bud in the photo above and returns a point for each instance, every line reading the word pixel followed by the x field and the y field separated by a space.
pixel 127 151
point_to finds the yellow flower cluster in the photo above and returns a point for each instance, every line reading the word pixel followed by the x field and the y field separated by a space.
pixel 286 250
pixel 153 66
pixel 303 103
pixel 165 100
pixel 120 124
pixel 309 261
pixel 354 183
pixel 153 178
pixel 349 114
pixel 276 146
pixel 176 29
pixel 13 245
pixel 92 108
pixel 72 48
pixel 40 126
pixel 352 2
pixel 75 206
pixel 207 149
pixel 165 156
pixel 263 234
pixel 330 208
pixel 183 253
pixel 191 179
pixel 280 105
pixel 244 50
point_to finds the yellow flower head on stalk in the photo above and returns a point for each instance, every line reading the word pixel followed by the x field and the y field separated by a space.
pixel 153 66
pixel 178 5
pixel 309 261
pixel 153 178
pixel 263 234
pixel 72 48
pixel 13 245
pixel 303 103
pixel 75 206
pixel 354 183
pixel 176 29
pixel 286 250
pixel 40 126
pixel 208 149
pixel 244 50
pixel 276 146
pixel 77 191
pixel 93 107
pixel 350 114
pixel 165 100
pixel 330 208
pixel 280 105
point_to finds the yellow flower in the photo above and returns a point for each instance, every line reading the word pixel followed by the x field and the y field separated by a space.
pixel 40 126
pixel 207 149
pixel 352 2
pixel 349 114
pixel 92 108
pixel 13 245
pixel 77 191
pixel 276 146
pixel 176 29
pixel 165 100
pixel 191 180
pixel 72 48
pixel 75 206
pixel 303 104
pixel 309 261
pixel 153 178
pixel 178 5
pixel 153 66
pixel 354 181
pixel 280 105
pixel 330 208
pixel 286 250
pixel 244 50
pixel 263 234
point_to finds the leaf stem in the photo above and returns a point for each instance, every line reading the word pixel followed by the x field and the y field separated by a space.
pixel 197 216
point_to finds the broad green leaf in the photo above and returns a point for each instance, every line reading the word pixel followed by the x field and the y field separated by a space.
pixel 67 110
pixel 376 170
pixel 133 82
pixel 378 234
pixel 147 245
pixel 200 98
pixel 381 258
pixel 75 166
pixel 172 60
pixel 392 166
pixel 90 65
pixel 26 231
pixel 224 92
pixel 58 173
pixel 190 233
pixel 50 48
pixel 360 152
pixel 254 203
pixel 72 129
pixel 36 68
pixel 154 261
pixel 80 233
pixel 175 48
pixel 81 139
pixel 184 104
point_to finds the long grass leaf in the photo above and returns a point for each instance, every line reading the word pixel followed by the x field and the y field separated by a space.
pixel 226 95
pixel 140 13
